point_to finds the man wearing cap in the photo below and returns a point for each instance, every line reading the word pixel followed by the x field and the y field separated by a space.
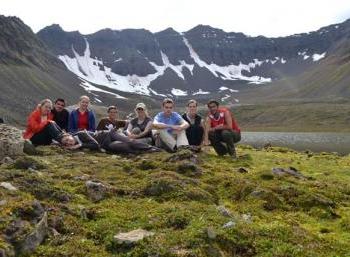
pixel 111 122
pixel 171 126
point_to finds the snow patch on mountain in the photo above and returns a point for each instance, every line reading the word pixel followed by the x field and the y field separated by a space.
pixel 317 57
pixel 178 92
pixel 201 92
pixel 89 88
pixel 94 71
pixel 177 68
pixel 231 90
pixel 230 72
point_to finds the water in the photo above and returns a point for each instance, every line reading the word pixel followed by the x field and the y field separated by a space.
pixel 316 142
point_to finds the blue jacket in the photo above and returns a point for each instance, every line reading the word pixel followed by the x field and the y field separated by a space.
pixel 73 121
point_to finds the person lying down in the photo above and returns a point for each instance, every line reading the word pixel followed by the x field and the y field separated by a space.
pixel 111 141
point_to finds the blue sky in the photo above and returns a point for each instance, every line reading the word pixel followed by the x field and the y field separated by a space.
pixel 253 17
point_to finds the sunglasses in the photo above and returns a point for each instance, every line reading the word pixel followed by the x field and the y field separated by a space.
pixel 139 109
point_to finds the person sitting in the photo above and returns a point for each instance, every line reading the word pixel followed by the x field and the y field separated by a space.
pixel 140 128
pixel 109 140
pixel 195 131
pixel 82 118
pixel 171 127
pixel 221 128
pixel 60 114
pixel 111 122
pixel 41 129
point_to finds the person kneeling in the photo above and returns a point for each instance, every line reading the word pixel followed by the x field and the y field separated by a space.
pixel 221 128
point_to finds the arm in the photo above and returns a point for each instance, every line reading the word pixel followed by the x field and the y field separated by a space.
pixel 206 131
pixel 128 129
pixel 92 122
pixel 160 125
pixel 72 124
pixel 87 141
pixel 35 123
pixel 146 131
pixel 101 125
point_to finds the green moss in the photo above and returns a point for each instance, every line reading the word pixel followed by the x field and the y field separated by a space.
pixel 272 216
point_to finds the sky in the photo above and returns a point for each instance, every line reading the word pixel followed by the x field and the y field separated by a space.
pixel 271 18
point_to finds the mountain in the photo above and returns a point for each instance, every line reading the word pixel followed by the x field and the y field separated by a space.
pixel 29 71
pixel 203 60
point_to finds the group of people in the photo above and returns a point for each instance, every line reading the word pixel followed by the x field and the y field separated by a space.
pixel 168 130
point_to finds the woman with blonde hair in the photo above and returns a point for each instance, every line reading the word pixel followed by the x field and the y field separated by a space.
pixel 140 128
pixel 41 129
pixel 82 118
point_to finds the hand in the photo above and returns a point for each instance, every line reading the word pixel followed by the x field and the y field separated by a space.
pixel 176 128
pixel 131 136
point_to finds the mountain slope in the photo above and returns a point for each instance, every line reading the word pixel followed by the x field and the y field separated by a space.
pixel 29 72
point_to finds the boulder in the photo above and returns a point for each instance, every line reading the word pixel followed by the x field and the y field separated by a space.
pixel 11 141
pixel 33 239
pixel 96 191
pixel 24 237
pixel 132 236
pixel 8 186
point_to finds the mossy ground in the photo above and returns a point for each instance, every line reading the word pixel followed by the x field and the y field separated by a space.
pixel 272 215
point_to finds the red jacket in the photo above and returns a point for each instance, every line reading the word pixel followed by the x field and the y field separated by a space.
pixel 35 124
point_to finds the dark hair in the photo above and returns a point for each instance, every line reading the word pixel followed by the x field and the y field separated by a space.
pixel 192 101
pixel 60 100
pixel 167 101
pixel 112 107
pixel 213 102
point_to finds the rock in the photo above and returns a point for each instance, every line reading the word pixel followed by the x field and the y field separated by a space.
pixel 267 145
pixel 183 155
pixel 3 202
pixel 211 233
pixel 27 162
pixel 32 211
pixel 7 251
pixel 29 148
pixel 242 170
pixel 83 177
pixel 33 239
pixel 96 191
pixel 11 141
pixel 229 224
pixel 247 217
pixel 290 171
pixel 132 236
pixel 8 186
pixel 224 211
pixel 7 160
pixel 189 169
